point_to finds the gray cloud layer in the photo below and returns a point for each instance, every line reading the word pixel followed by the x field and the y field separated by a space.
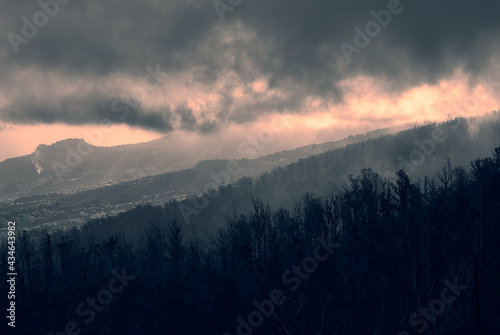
pixel 294 44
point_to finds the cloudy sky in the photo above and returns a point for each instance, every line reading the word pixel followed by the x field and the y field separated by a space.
pixel 197 68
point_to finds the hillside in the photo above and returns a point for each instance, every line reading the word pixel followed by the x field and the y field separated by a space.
pixel 110 180
pixel 279 184
pixel 373 257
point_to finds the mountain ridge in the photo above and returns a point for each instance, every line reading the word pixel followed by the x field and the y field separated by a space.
pixel 64 166
pixel 278 184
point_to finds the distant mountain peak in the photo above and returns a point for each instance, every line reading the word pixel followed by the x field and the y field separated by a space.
pixel 62 143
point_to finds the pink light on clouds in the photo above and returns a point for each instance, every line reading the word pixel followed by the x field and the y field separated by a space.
pixel 367 106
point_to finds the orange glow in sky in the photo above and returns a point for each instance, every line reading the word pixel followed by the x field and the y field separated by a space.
pixel 366 107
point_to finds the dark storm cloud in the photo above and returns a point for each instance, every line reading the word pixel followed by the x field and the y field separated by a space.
pixel 294 44
pixel 92 108
pixel 207 127
pixel 188 121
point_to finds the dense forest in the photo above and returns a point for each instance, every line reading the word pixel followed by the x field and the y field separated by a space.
pixel 366 255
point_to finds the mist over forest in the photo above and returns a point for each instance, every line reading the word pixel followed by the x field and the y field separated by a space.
pixel 394 234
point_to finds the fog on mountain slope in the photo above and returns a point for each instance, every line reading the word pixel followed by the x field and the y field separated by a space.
pixel 74 165
pixel 415 150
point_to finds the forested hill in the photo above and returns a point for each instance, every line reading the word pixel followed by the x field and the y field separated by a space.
pixel 373 257
pixel 421 151
pixel 72 165
pixel 74 201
